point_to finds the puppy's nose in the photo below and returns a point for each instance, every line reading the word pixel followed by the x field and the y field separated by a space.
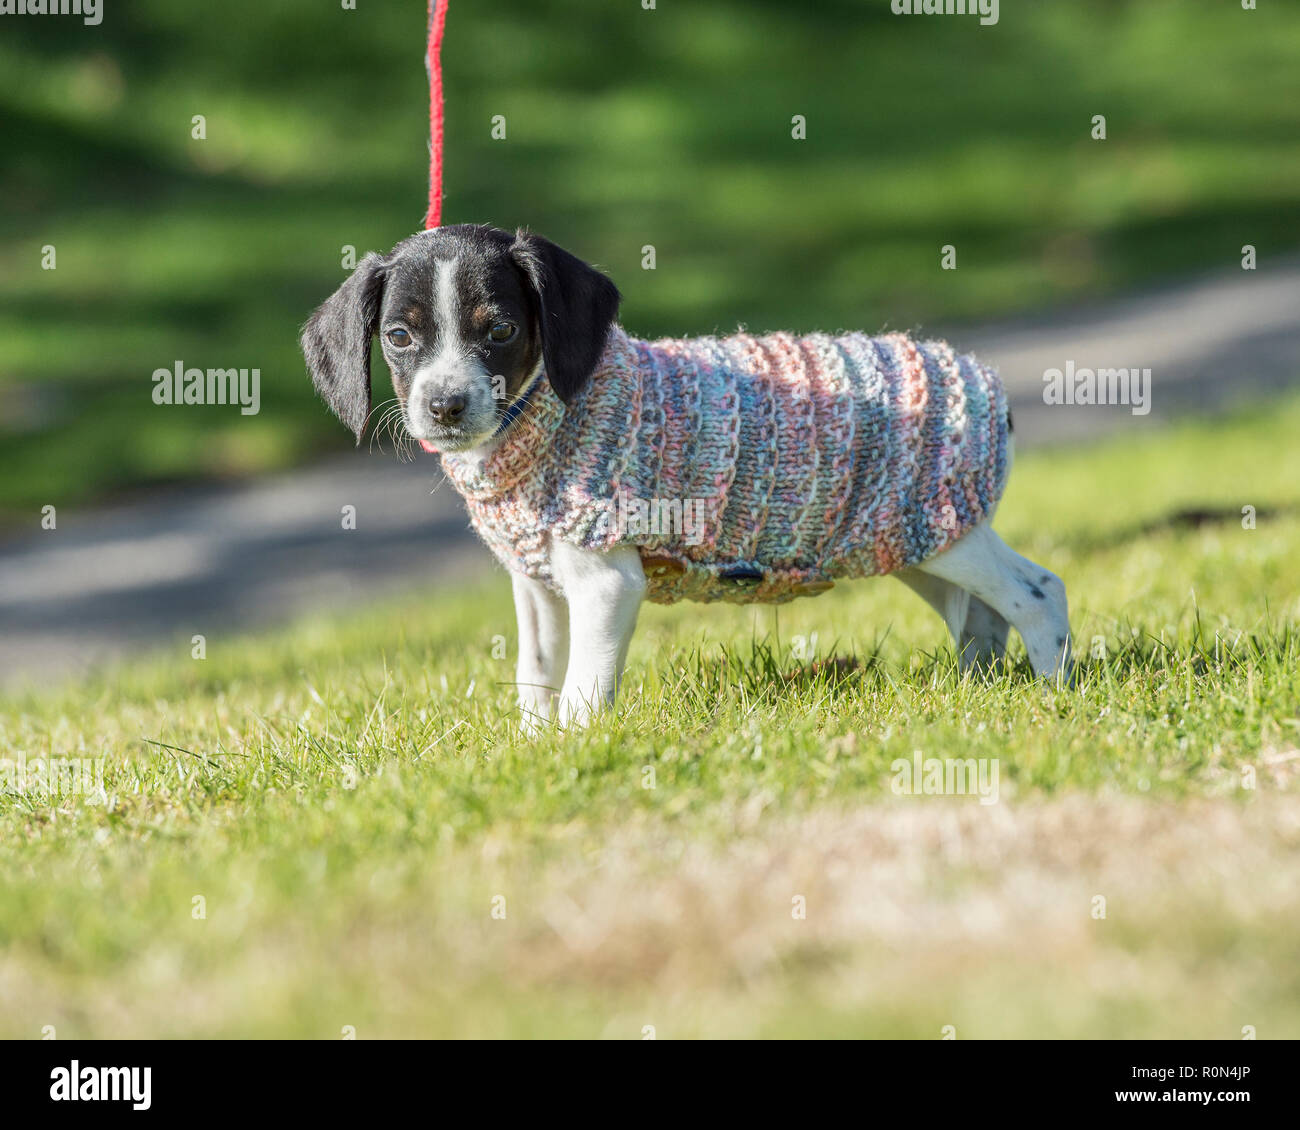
pixel 446 409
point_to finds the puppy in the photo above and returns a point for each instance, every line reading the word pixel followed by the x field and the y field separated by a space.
pixel 603 470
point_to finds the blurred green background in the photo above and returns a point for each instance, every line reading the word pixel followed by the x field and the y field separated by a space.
pixel 625 127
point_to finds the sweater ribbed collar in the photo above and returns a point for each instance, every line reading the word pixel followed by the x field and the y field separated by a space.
pixel 521 450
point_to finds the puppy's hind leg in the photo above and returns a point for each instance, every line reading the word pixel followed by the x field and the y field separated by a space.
pixel 983 638
pixel 947 599
pixel 979 633
pixel 1026 595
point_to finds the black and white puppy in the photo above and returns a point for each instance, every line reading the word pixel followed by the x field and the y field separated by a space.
pixel 468 316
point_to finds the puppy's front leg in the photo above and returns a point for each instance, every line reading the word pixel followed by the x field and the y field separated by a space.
pixel 543 648
pixel 604 593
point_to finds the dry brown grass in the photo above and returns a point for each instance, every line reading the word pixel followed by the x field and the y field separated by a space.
pixel 920 913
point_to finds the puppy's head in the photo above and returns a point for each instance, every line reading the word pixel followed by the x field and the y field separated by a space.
pixel 466 315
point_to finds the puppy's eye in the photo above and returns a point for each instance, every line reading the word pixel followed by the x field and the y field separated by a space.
pixel 400 338
pixel 503 332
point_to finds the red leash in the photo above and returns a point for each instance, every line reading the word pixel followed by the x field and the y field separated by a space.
pixel 433 64
pixel 437 20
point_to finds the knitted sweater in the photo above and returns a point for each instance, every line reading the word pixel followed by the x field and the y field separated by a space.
pixel 748 468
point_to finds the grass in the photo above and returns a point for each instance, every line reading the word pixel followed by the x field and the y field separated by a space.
pixel 350 801
pixel 625 128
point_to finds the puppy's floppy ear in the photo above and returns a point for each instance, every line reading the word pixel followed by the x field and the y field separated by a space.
pixel 576 306
pixel 336 343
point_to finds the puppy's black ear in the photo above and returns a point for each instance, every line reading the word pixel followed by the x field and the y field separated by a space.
pixel 576 306
pixel 336 343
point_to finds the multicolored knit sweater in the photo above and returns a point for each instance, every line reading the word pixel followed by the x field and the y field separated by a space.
pixel 748 468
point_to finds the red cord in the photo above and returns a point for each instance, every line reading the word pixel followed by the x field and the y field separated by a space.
pixel 437 20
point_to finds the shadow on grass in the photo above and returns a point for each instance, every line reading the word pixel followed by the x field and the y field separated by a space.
pixel 1176 521
pixel 768 673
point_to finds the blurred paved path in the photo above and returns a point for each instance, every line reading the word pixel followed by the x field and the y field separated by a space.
pixel 210 559
pixel 206 560
pixel 1207 343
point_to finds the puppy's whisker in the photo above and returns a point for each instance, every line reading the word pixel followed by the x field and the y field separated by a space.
pixel 391 420
pixel 385 408
pixel 403 443
pixel 377 435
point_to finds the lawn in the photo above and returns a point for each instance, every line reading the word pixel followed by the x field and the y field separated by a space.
pixel 338 826
pixel 624 128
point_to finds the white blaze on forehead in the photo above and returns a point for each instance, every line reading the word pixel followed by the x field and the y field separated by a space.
pixel 440 369
pixel 447 299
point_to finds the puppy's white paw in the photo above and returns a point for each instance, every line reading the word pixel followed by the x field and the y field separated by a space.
pixel 575 712
pixel 531 723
